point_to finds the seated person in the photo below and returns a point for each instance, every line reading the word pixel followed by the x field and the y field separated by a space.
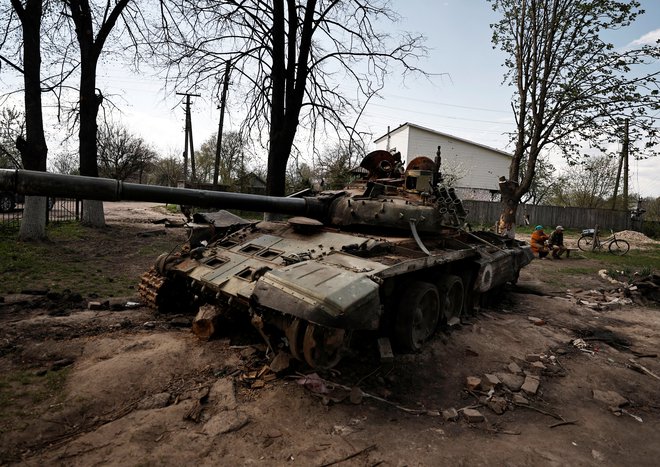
pixel 538 240
pixel 556 242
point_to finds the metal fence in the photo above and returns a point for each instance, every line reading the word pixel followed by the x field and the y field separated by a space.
pixel 57 210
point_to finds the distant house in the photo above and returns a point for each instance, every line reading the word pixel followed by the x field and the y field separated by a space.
pixel 472 168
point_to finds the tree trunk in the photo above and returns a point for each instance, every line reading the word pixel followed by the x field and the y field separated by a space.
pixel 33 223
pixel 506 225
pixel 93 214
pixel 33 148
pixel 205 324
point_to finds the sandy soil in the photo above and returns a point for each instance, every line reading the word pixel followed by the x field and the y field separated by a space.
pixel 131 387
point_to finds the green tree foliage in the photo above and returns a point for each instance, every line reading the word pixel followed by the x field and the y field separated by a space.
pixel 234 160
pixel 573 89
pixel 586 185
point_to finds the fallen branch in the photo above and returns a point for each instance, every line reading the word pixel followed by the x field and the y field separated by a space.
pixel 371 396
pixel 568 422
pixel 350 456
pixel 536 409
pixel 641 368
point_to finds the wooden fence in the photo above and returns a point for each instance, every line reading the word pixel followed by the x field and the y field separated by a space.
pixel 487 213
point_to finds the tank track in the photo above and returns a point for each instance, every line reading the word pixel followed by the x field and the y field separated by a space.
pixel 151 283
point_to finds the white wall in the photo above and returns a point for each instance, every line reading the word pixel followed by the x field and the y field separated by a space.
pixel 475 166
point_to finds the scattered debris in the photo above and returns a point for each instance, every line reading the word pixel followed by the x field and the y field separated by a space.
pixel 473 383
pixel 633 365
pixel 610 398
pixel 473 416
pixel 450 415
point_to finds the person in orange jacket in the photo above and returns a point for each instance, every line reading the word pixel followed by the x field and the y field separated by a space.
pixel 539 237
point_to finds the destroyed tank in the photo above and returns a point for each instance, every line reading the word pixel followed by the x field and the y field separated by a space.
pixel 388 257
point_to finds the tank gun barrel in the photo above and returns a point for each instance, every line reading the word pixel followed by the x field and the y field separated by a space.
pixel 29 182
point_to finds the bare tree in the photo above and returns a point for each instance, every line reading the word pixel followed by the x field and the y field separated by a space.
pixel 93 26
pixel 122 155
pixel 294 63
pixel 31 146
pixel 334 166
pixel 572 88
pixel 166 171
pixel 12 125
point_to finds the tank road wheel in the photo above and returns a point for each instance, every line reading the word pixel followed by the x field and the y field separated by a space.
pixel 417 315
pixel 322 346
pixel 452 297
pixel 294 333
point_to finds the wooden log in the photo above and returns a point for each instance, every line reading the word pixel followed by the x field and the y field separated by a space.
pixel 205 324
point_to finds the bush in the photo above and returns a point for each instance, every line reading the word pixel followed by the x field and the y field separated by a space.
pixel 651 229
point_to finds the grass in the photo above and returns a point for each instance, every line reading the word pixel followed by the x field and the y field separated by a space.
pixel 635 260
pixel 92 262
pixel 21 390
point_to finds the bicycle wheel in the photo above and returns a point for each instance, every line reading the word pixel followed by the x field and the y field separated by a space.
pixel 619 247
pixel 585 242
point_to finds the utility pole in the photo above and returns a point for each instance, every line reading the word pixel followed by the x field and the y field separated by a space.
pixel 624 155
pixel 189 137
pixel 223 100
pixel 616 183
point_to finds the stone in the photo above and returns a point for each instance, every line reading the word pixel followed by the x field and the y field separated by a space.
pixel 533 357
pixel 356 395
pixel 473 383
pixel 94 306
pixel 385 350
pixel 450 415
pixel 537 367
pixel 520 399
pixel 531 385
pixel 514 368
pixel 155 401
pixel 490 381
pixel 512 382
pixel 497 404
pixel 536 321
pixel 473 416
pixel 610 398
pixel 280 363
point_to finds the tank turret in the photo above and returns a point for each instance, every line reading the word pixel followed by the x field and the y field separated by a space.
pixel 387 255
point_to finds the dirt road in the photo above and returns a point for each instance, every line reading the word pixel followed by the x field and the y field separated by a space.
pixel 130 387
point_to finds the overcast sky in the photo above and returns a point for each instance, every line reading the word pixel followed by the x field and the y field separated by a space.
pixel 465 97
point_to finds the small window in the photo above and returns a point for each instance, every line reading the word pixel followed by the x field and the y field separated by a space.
pixel 269 254
pixel 245 273
pixel 228 244
pixel 250 249
pixel 215 261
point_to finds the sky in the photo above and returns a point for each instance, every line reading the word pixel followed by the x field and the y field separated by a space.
pixel 464 97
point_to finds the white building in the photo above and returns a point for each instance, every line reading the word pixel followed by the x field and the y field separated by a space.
pixel 472 168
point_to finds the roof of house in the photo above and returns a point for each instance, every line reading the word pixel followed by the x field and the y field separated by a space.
pixel 447 135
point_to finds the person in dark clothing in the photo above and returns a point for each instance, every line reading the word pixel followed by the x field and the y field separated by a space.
pixel 556 242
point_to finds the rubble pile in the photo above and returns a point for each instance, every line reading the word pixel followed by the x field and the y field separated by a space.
pixel 632 236
pixel 517 385
pixel 642 291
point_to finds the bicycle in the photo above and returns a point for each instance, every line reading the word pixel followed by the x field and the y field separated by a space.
pixel 590 241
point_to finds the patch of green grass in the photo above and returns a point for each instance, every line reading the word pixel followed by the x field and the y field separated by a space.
pixel 20 390
pixel 634 261
pixel 101 262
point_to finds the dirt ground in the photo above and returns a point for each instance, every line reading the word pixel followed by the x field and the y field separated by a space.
pixel 131 387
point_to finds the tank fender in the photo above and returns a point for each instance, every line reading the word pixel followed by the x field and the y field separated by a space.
pixel 322 293
pixel 494 269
